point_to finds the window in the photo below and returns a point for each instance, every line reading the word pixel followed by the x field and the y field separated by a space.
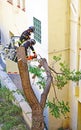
pixel 37 25
pixel 18 3
pixel 23 5
pixel 10 1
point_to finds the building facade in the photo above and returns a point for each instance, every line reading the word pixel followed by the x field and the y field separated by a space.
pixel 58 43
pixel 58 30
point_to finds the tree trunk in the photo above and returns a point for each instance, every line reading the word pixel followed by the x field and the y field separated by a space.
pixel 37 119
pixel 36 106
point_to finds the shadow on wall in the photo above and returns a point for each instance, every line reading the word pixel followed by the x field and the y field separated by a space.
pixel 3 36
pixel 0 36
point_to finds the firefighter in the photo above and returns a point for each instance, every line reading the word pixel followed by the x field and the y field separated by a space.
pixel 26 34
pixel 29 44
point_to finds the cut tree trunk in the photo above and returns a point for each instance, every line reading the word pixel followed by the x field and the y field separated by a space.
pixel 36 106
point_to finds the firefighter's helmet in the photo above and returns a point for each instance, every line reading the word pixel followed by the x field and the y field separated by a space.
pixel 32 28
pixel 33 41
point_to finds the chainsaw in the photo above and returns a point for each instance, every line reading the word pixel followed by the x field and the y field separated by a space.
pixel 31 57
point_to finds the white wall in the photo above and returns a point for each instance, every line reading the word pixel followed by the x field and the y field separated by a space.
pixel 39 10
pixel 13 19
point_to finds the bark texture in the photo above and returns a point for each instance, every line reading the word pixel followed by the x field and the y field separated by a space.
pixel 36 106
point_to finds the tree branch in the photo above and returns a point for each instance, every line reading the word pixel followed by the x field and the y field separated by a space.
pixel 44 95
pixel 55 71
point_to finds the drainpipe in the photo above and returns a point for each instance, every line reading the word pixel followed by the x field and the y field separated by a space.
pixel 73 60
pixel 73 34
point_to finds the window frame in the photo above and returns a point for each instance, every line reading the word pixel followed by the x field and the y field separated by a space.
pixel 37 25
